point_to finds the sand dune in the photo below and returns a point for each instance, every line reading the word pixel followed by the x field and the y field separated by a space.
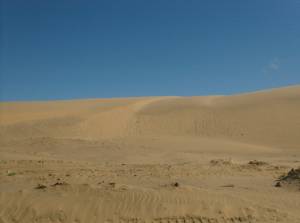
pixel 151 159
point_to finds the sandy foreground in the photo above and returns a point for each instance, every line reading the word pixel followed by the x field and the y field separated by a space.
pixel 212 159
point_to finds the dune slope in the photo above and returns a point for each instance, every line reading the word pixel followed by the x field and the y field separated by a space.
pixel 268 118
pixel 151 159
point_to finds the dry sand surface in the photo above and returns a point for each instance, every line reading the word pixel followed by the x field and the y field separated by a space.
pixel 215 159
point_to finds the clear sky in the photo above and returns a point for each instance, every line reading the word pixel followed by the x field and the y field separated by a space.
pixel 63 49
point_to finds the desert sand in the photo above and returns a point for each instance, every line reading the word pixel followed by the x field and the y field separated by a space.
pixel 210 159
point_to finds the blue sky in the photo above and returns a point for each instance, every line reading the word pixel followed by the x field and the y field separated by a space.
pixel 63 49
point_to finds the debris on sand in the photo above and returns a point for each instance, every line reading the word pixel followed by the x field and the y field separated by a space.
pixel 293 174
pixel 257 163
pixel 40 187
pixel 292 178
pixel 59 184
pixel 112 184
pixel 218 162
pixel 175 184
pixel 278 184
pixel 10 174
pixel 171 185
pixel 228 185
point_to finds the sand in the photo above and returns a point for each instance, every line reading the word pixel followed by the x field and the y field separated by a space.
pixel 212 159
